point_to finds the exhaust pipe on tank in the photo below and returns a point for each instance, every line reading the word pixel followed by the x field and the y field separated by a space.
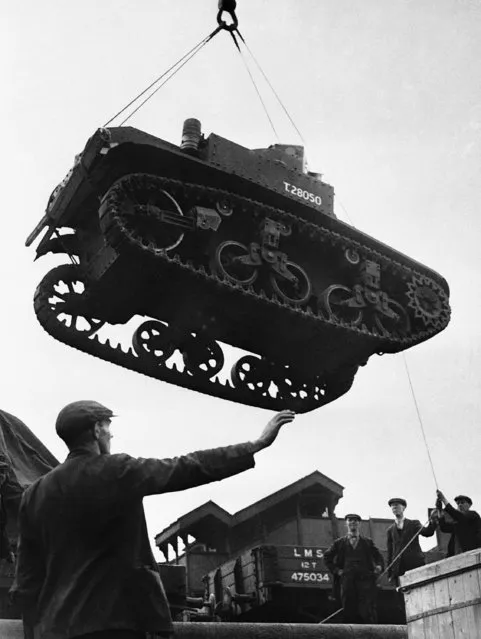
pixel 191 136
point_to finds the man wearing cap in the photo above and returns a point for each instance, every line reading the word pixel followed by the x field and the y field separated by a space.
pixel 403 537
pixel 356 562
pixel 85 566
pixel 465 524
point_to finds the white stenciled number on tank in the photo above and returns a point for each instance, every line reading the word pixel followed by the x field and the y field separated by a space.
pixel 302 194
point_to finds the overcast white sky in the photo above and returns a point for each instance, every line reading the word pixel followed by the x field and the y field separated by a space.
pixel 387 96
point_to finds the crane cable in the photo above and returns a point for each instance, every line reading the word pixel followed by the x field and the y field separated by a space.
pixel 255 86
pixel 174 68
pixel 284 108
pixel 229 6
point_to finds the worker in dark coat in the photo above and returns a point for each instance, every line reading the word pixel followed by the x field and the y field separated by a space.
pixel 357 562
pixel 85 566
pixel 403 535
pixel 465 527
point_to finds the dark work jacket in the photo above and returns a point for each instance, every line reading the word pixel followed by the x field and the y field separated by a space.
pixel 335 556
pixel 466 529
pixel 413 556
pixel 84 559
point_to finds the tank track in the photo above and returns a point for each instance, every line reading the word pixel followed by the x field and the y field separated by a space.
pixel 304 397
pixel 320 392
pixel 434 322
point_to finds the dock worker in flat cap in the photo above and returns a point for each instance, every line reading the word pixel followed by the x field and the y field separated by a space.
pixel 399 534
pixel 85 566
pixel 356 562
pixel 464 524
pixel 403 542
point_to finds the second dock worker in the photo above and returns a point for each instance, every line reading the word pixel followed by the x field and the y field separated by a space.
pixel 465 524
pixel 357 562
pixel 399 535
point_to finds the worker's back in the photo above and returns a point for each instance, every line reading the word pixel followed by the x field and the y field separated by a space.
pixel 85 531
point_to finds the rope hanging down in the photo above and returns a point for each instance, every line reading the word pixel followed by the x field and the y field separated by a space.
pixel 420 421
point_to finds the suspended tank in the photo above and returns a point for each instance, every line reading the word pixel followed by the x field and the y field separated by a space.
pixel 214 244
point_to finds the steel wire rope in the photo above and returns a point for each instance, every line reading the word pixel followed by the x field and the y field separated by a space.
pixel 420 421
pixel 189 55
pixel 345 211
pixel 255 85
pixel 264 75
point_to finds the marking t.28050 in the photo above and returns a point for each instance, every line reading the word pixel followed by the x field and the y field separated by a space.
pixel 303 194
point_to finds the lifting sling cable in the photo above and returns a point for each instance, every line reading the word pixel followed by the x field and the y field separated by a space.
pixel 228 6
pixel 291 120
pixel 256 88
pixel 179 64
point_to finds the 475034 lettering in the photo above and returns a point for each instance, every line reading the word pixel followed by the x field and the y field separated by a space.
pixel 303 194
pixel 318 577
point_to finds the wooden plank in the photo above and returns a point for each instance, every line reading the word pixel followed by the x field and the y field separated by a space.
pixel 457 596
pixel 463 563
pixel 429 603
pixel 416 630
pixel 445 620
pixel 413 600
pixel 476 610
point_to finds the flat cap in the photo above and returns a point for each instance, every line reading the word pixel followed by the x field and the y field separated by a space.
pixel 397 500
pixel 352 516
pixel 78 416
pixel 464 498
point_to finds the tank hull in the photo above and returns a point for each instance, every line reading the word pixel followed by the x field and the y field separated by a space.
pixel 202 247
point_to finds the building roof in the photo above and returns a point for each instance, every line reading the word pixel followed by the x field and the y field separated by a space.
pixel 316 482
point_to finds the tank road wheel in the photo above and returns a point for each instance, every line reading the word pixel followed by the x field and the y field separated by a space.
pixel 230 262
pixel 139 202
pixel 250 372
pixel 296 291
pixel 152 342
pixel 336 300
pixel 398 323
pixel 63 292
pixel 202 356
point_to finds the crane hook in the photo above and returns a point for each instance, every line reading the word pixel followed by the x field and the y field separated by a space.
pixel 227 6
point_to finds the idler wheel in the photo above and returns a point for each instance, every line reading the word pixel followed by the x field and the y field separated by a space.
pixel 152 341
pixel 142 207
pixel 296 291
pixel 398 323
pixel 202 356
pixel 63 292
pixel 231 261
pixel 336 300
pixel 252 373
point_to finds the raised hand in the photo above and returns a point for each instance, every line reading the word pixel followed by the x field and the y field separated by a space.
pixel 272 429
